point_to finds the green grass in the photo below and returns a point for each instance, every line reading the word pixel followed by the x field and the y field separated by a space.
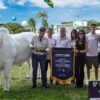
pixel 20 88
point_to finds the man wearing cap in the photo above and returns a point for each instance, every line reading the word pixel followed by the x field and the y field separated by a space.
pixel 39 46
pixel 92 54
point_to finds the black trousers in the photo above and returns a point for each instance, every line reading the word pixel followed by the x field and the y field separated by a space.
pixel 79 71
pixel 41 59
pixel 46 68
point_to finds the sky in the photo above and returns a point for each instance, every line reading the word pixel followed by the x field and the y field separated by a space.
pixel 64 10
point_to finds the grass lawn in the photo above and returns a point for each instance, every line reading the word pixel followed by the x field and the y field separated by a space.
pixel 20 88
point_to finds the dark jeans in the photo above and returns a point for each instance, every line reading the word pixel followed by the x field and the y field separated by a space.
pixel 79 71
pixel 46 66
pixel 41 59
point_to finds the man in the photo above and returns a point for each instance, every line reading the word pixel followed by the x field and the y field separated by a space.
pixel 63 41
pixel 92 54
pixel 99 52
pixel 39 46
pixel 52 43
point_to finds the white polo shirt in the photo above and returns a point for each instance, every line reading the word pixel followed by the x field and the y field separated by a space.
pixel 64 42
pixel 52 43
pixel 93 40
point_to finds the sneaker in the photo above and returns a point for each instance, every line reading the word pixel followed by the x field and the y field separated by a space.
pixel 87 82
pixel 45 86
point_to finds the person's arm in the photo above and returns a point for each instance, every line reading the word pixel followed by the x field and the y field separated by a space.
pixel 32 43
pixel 69 44
pixel 99 38
pixel 83 51
pixel 86 48
pixel 47 47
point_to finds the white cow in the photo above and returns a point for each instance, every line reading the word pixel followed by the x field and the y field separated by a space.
pixel 14 50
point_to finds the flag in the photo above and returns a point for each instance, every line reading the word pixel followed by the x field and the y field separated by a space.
pixel 49 2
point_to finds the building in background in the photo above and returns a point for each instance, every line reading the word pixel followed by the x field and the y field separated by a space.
pixel 1 25
pixel 69 28
pixel 98 30
pixel 80 23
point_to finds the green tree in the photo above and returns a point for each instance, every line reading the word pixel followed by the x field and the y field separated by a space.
pixel 14 27
pixel 44 16
pixel 52 26
pixel 32 24
pixel 82 27
pixel 45 23
pixel 71 22
pixel 95 22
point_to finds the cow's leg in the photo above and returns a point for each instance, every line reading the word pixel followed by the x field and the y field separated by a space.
pixel 29 69
pixel 7 68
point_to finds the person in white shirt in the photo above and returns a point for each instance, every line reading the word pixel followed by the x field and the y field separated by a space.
pixel 92 54
pixel 52 43
pixel 63 41
pixel 39 45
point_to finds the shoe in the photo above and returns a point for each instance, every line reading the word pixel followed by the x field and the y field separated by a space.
pixel 45 86
pixel 39 77
pixel 80 86
pixel 76 86
pixel 34 86
pixel 87 82
pixel 57 83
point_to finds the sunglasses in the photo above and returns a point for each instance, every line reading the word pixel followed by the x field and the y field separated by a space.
pixel 81 33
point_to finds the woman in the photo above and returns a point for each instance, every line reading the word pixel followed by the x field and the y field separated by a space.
pixel 81 49
pixel 73 37
pixel 99 53
pixel 73 43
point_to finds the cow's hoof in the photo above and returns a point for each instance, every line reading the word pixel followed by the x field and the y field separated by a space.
pixel 6 91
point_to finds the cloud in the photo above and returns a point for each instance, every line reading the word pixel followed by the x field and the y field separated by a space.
pixel 74 3
pixel 24 22
pixel 21 2
pixel 39 3
pixel 57 3
pixel 61 3
pixel 2 6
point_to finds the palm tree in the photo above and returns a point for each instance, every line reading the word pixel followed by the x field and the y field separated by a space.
pixel 45 23
pixel 43 15
pixel 32 24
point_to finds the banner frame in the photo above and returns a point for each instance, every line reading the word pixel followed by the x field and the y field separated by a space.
pixel 59 80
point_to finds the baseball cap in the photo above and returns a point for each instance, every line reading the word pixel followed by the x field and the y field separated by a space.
pixel 42 29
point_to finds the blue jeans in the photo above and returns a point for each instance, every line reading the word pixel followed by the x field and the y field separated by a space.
pixel 35 60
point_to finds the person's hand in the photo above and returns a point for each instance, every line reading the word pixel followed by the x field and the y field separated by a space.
pixel 32 47
pixel 76 51
pixel 35 48
pixel 43 50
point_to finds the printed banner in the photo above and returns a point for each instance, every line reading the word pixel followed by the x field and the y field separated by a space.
pixel 94 90
pixel 62 64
